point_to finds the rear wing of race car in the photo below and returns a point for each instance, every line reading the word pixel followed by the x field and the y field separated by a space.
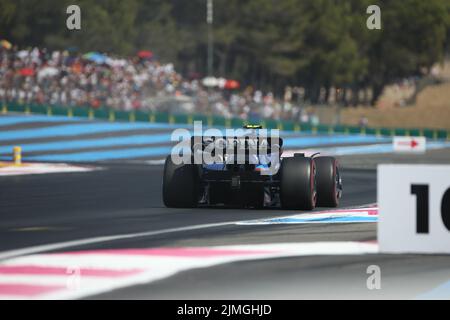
pixel 233 145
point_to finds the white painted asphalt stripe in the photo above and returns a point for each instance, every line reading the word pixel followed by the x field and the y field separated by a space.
pixel 309 248
pixel 81 242
pixel 50 280
pixel 441 292
pixel 85 291
pixel 43 168
pixel 101 261
pixel 75 243
pixel 334 151
pixel 156 162
pixel 166 267
pixel 97 287
pixel 123 262
pixel 331 220
pixel 361 149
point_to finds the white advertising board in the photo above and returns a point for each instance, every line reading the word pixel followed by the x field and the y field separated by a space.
pixel 414 208
pixel 409 144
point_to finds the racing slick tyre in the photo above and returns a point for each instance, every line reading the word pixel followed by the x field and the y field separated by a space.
pixel 329 186
pixel 297 183
pixel 180 185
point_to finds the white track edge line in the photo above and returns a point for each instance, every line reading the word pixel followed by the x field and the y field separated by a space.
pixel 74 243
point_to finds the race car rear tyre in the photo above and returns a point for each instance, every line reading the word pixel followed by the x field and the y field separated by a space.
pixel 328 179
pixel 297 185
pixel 180 185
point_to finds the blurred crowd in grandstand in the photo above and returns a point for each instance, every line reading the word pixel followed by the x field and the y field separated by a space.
pixel 141 82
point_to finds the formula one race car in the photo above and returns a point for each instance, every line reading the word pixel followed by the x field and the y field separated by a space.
pixel 258 177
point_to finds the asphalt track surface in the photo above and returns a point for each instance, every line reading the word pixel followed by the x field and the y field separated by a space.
pixel 126 198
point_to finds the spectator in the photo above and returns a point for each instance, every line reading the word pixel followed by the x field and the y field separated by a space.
pixel 363 122
pixel 38 76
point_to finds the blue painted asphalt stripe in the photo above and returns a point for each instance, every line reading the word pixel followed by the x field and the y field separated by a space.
pixel 441 292
pixel 300 142
pixel 11 120
pixel 302 139
pixel 107 155
pixel 97 143
pixel 378 148
pixel 77 129
pixel 91 143
pixel 104 155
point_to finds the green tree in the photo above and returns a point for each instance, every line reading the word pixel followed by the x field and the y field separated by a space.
pixel 410 42
pixel 265 43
